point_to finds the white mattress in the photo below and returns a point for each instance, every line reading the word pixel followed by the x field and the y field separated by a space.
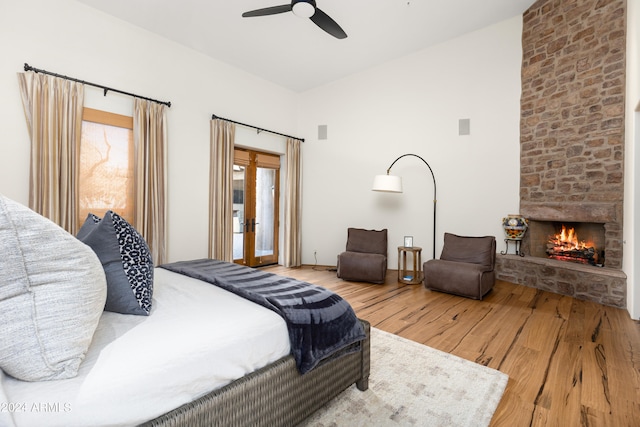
pixel 198 338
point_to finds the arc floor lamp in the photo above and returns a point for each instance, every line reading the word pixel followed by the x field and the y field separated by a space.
pixel 393 184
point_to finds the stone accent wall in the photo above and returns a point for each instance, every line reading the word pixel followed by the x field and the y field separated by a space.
pixel 572 117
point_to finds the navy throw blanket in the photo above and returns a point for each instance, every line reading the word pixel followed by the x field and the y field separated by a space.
pixel 319 321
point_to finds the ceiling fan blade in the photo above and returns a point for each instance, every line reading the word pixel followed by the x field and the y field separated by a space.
pixel 325 22
pixel 268 11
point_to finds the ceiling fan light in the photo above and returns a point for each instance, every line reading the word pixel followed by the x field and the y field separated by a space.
pixel 303 9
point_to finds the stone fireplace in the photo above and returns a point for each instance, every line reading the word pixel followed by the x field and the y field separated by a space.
pixel 572 145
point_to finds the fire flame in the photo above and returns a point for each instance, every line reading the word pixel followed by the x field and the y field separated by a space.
pixel 568 240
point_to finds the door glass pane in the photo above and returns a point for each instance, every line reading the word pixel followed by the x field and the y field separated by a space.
pixel 265 208
pixel 238 211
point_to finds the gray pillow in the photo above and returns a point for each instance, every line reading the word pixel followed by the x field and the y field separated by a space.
pixel 126 259
pixel 52 293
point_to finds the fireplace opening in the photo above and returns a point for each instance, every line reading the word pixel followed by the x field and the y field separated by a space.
pixel 578 242
pixel 567 246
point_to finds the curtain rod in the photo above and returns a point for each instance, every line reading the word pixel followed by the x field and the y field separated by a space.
pixel 213 117
pixel 28 67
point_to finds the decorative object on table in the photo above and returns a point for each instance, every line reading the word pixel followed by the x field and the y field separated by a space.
pixel 515 226
pixel 408 241
pixel 413 276
pixel 365 257
pixel 413 384
pixel 466 266
pixel 393 184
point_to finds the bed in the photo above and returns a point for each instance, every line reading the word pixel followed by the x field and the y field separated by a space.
pixel 201 356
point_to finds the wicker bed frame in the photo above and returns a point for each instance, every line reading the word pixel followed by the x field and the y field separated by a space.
pixel 276 395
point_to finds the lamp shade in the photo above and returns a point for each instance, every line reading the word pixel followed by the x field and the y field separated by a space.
pixel 388 183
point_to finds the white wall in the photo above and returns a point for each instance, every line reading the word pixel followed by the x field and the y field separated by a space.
pixel 412 105
pixel 68 38
pixel 631 261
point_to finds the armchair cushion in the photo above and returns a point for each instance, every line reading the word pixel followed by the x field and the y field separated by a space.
pixel 475 250
pixel 367 241
pixel 361 267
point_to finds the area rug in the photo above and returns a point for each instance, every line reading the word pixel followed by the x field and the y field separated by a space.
pixel 415 385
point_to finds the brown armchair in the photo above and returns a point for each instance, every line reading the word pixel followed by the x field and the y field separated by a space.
pixel 365 258
pixel 465 268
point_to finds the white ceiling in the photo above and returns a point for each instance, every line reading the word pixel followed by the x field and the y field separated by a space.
pixel 293 52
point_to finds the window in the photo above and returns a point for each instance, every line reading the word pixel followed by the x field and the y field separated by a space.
pixel 106 165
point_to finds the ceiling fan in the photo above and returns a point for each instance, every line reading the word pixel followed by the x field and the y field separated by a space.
pixel 303 9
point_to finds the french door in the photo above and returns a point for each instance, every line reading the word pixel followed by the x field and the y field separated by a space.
pixel 256 179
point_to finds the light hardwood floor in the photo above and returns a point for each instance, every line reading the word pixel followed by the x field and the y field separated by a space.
pixel 570 362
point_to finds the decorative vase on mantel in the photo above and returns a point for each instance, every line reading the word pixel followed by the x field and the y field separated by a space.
pixel 515 225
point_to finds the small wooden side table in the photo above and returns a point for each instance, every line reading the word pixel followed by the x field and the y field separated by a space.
pixel 410 277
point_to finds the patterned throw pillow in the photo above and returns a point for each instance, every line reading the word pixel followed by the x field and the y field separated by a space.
pixel 52 294
pixel 126 260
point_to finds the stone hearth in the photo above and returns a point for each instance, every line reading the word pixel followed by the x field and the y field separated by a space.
pixel 606 286
pixel 572 140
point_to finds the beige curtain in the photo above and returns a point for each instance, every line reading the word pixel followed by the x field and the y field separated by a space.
pixel 292 221
pixel 150 139
pixel 221 190
pixel 53 109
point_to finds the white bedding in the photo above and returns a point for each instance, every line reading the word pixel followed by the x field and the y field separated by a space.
pixel 197 338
